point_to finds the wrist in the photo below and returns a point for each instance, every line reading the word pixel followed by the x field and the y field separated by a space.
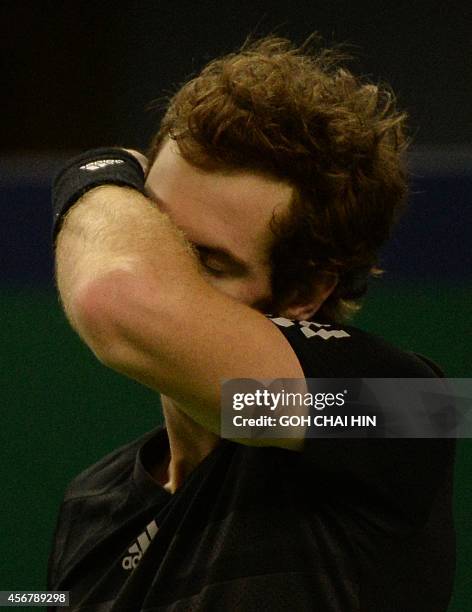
pixel 106 166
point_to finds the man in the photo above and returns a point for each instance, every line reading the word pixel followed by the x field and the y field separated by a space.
pixel 273 181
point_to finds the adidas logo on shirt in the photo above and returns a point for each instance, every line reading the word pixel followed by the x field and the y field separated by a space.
pixel 137 550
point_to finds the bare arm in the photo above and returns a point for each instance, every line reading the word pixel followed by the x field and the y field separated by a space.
pixel 132 289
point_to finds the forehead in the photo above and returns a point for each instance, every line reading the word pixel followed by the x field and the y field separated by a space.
pixel 231 211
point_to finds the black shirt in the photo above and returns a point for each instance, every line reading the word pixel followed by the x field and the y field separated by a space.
pixel 346 525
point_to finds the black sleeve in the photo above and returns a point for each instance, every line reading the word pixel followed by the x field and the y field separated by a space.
pixel 339 351
pixel 402 476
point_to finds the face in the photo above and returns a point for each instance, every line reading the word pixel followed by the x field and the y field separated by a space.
pixel 226 217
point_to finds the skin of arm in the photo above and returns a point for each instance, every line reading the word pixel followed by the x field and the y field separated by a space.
pixel 131 288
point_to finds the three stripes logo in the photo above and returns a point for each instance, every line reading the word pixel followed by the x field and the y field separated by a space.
pixel 137 550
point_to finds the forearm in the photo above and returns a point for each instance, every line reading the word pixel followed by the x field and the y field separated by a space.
pixel 123 270
pixel 115 232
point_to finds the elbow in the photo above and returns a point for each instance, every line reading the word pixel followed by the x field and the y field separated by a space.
pixel 101 314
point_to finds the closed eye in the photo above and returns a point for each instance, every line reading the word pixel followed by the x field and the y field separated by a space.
pixel 218 262
pixel 212 270
pixel 211 264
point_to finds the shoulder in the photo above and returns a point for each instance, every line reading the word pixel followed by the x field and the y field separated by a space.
pixel 334 349
pixel 109 472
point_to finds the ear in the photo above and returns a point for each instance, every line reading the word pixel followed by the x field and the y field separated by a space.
pixel 304 309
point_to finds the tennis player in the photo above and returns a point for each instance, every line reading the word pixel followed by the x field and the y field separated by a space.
pixel 238 249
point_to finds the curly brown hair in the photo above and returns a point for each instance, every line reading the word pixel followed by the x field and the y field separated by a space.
pixel 297 114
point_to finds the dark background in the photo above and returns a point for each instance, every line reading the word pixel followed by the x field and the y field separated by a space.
pixel 78 74
pixel 81 74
